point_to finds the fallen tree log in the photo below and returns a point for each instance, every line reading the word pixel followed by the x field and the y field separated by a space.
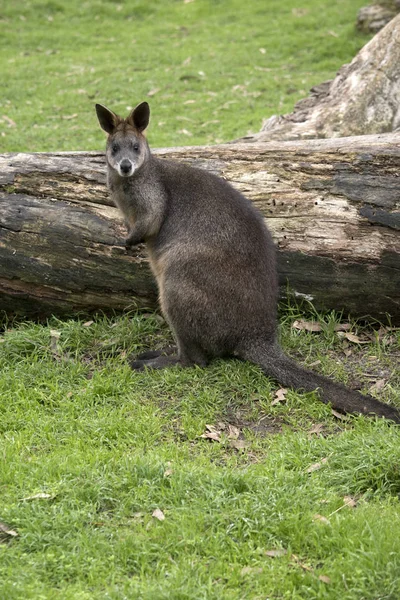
pixel 332 206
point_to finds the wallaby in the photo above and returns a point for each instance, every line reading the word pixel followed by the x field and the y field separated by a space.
pixel 214 261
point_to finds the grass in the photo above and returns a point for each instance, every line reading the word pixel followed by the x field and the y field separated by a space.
pixel 89 449
pixel 109 446
pixel 211 69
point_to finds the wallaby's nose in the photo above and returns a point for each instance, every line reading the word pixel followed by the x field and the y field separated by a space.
pixel 125 165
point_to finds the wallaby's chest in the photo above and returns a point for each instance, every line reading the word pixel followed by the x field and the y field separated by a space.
pixel 125 197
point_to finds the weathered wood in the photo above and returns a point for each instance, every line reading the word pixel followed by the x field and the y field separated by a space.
pixel 332 206
pixel 375 16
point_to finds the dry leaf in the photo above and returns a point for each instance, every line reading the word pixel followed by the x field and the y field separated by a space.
pixel 10 122
pixel 316 429
pixel 168 473
pixel 342 327
pixel 280 395
pixel 212 433
pixel 54 337
pixel 158 514
pixel 355 339
pixel 300 12
pixel 339 415
pixel 276 553
pixel 321 519
pixel 298 562
pixel 315 363
pixel 6 533
pixel 68 117
pixel 182 118
pixel 350 501
pixel 248 570
pixel 40 496
pixel 153 92
pixel 88 323
pixel 378 385
pixel 234 432
pixel 324 578
pixel 307 325
pixel 208 123
pixel 211 428
pixel 316 466
pixel 239 444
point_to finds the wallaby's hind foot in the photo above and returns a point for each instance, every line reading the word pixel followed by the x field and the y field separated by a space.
pixel 150 354
pixel 139 362
pixel 168 357
pixel 159 362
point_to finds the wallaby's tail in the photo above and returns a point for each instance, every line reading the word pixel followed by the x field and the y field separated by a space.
pixel 288 373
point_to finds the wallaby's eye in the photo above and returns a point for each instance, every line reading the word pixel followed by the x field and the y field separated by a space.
pixel 136 147
pixel 114 147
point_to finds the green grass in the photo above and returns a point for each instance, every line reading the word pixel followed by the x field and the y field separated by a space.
pixel 211 69
pixel 108 446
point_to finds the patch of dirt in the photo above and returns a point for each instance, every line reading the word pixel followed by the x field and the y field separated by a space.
pixel 263 426
pixel 366 367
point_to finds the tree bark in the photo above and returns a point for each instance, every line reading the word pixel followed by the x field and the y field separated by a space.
pixel 375 16
pixel 364 98
pixel 332 206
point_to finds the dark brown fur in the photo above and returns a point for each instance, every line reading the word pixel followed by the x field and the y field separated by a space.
pixel 214 262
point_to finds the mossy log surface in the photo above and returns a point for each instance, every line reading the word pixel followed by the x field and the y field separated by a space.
pixel 332 205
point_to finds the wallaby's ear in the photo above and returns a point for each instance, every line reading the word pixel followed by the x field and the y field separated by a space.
pixel 140 116
pixel 107 119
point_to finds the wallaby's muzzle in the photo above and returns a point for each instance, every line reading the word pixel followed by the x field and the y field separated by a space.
pixel 125 167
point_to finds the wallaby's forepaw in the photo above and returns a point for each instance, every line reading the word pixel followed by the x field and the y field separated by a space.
pixel 129 242
pixel 133 239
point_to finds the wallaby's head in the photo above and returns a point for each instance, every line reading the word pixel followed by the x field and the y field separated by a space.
pixel 127 148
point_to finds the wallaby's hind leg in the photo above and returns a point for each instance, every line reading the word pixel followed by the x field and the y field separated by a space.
pixel 187 356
